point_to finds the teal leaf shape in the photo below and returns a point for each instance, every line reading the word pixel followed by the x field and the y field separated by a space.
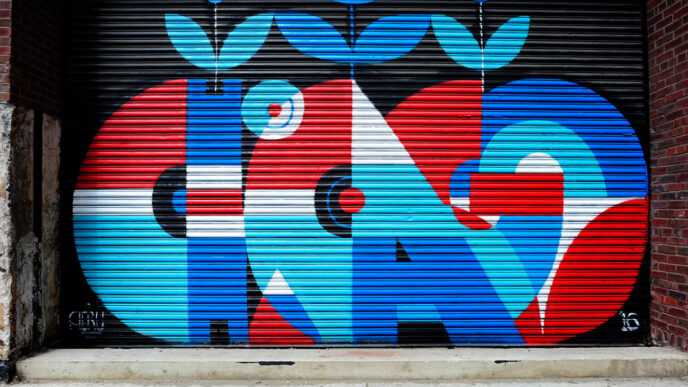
pixel 457 41
pixel 190 41
pixel 390 37
pixel 506 43
pixel 244 41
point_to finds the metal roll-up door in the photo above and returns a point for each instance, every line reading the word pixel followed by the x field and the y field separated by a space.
pixel 355 172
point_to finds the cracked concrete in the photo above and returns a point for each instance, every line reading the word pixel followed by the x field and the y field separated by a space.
pixel 29 285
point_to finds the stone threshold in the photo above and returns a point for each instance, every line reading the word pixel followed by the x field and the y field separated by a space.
pixel 349 364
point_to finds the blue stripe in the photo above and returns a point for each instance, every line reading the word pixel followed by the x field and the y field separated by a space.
pixel 217 267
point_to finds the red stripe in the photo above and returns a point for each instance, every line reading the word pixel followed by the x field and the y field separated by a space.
pixel 517 194
pixel 214 202
pixel 268 327
pixel 128 140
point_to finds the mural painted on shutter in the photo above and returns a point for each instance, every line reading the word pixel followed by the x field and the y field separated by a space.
pixel 211 211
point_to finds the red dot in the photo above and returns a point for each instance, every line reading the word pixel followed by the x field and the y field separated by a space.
pixel 274 110
pixel 351 200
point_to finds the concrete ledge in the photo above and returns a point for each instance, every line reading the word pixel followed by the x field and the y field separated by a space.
pixel 347 364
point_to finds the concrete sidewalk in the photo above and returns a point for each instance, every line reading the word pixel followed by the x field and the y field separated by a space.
pixel 642 382
pixel 437 365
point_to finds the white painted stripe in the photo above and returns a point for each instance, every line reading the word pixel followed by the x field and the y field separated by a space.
pixel 539 163
pixel 279 202
pixel 213 176
pixel 113 202
pixel 215 226
pixel 373 142
pixel 462 202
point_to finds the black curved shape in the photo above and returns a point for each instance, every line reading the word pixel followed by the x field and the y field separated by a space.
pixel 169 182
pixel 330 214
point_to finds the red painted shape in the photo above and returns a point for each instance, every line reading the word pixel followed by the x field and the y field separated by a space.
pixel 351 200
pixel 595 278
pixel 528 323
pixel 139 141
pixel 473 221
pixel 274 110
pixel 269 328
pixel 440 128
pixel 520 194
pixel 214 202
pixel 322 142
pixel 517 194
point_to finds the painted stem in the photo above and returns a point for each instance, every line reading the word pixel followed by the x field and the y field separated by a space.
pixel 482 49
pixel 217 47
pixel 351 34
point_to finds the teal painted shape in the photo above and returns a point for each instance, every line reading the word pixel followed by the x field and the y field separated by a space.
pixel 150 296
pixel 244 41
pixel 190 41
pixel 506 43
pixel 515 142
pixel 388 214
pixel 316 264
pixel 254 109
pixel 457 41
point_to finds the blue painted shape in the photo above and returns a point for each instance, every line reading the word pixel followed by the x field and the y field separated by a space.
pixel 460 295
pixel 506 43
pixel 213 124
pixel 289 307
pixel 254 109
pixel 466 256
pixel 154 301
pixel 457 41
pixel 190 41
pixel 503 267
pixel 593 119
pixel 179 201
pixel 244 41
pixel 354 2
pixel 418 313
pixel 217 267
pixel 388 212
pixel 535 239
pixel 390 37
pixel 385 39
pixel 314 36
pixel 460 184
pixel 217 287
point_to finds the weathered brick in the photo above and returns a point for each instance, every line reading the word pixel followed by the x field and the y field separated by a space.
pixel 668 70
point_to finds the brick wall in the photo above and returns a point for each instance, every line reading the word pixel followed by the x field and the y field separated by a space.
pixel 36 54
pixel 668 64
pixel 5 23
